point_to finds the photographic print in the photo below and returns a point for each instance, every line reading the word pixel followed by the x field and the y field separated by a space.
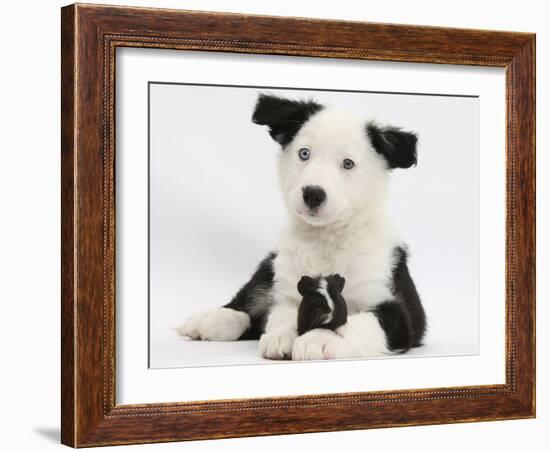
pixel 281 225
pixel 295 225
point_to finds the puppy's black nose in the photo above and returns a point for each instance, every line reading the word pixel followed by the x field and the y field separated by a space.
pixel 313 196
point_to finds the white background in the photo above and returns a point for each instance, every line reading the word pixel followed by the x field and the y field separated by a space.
pixel 30 227
pixel 216 210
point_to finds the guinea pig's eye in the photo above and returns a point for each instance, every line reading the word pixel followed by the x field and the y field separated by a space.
pixel 304 154
pixel 348 164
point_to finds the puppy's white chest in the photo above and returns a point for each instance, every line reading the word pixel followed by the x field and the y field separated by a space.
pixel 365 263
pixel 320 258
pixel 307 259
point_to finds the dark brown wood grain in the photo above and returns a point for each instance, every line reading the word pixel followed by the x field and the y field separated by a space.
pixel 67 226
pixel 90 35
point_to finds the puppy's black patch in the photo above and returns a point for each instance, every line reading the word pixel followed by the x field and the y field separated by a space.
pixel 396 323
pixel 284 117
pixel 315 311
pixel 254 298
pixel 403 319
pixel 403 289
pixel 397 147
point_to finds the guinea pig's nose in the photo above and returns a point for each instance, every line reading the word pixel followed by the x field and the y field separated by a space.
pixel 313 196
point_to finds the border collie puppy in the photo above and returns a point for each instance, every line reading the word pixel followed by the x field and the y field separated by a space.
pixel 334 170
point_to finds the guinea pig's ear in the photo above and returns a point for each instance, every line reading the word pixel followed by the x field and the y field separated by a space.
pixel 337 282
pixel 305 284
pixel 284 117
pixel 396 146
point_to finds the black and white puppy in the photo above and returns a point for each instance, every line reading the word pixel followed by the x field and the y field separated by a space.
pixel 334 171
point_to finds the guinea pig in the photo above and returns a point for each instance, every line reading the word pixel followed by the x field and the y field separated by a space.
pixel 323 305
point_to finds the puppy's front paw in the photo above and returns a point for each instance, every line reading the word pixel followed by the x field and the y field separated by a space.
pixel 220 324
pixel 277 344
pixel 320 344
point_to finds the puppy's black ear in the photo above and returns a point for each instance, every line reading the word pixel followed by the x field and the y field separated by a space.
pixel 337 282
pixel 284 117
pixel 305 285
pixel 397 147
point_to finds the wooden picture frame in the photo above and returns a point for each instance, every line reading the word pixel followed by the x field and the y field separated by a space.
pixel 90 35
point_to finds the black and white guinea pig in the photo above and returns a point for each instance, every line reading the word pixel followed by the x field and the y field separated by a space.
pixel 323 305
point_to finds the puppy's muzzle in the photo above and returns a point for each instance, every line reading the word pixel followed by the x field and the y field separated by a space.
pixel 313 196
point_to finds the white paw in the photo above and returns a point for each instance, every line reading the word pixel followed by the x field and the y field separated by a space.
pixel 320 344
pixel 220 324
pixel 277 344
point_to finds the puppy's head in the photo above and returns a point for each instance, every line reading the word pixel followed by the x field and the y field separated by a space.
pixel 333 165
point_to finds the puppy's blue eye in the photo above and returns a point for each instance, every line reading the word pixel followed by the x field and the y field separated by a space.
pixel 303 154
pixel 348 164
